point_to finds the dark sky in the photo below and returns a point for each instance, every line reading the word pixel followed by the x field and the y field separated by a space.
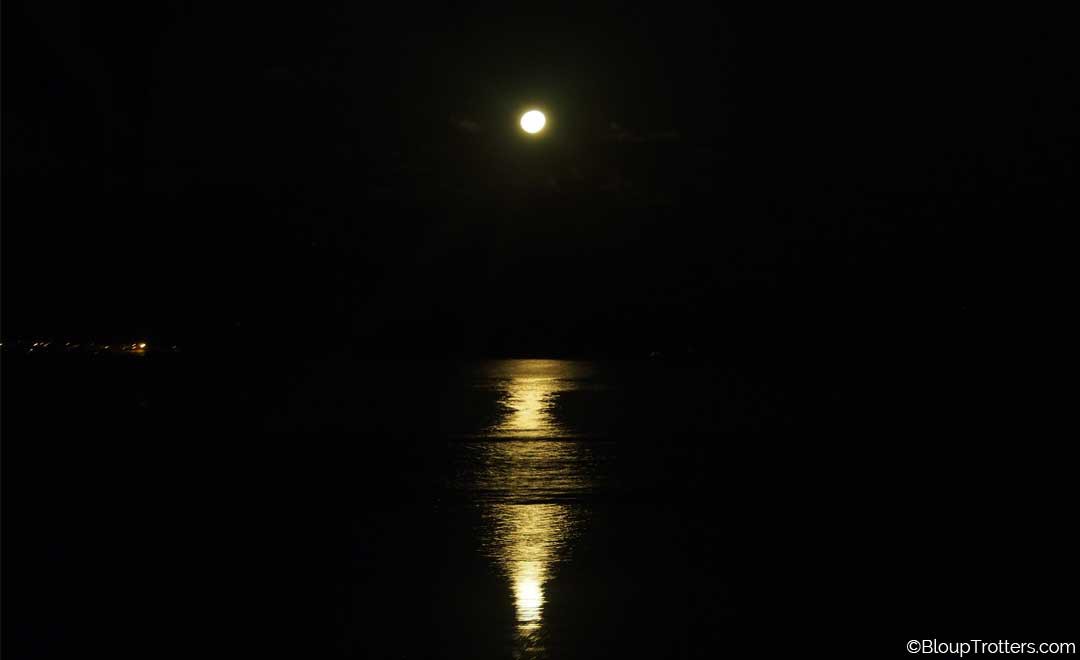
pixel 345 175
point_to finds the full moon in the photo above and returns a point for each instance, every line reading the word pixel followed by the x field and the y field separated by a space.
pixel 532 121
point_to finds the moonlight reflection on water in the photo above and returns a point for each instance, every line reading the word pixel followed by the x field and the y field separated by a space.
pixel 529 390
pixel 530 484
pixel 528 540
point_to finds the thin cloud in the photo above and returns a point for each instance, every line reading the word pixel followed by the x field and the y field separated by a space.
pixel 465 125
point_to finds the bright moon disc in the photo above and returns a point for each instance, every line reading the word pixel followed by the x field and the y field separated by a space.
pixel 532 121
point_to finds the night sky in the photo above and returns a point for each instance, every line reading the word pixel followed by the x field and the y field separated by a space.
pixel 338 175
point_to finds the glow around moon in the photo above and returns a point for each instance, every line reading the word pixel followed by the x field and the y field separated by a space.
pixel 533 121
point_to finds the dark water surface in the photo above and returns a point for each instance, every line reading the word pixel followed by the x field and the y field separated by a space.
pixel 379 509
pixel 485 509
pixel 541 537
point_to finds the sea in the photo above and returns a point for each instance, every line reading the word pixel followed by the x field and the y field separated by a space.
pixel 511 508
